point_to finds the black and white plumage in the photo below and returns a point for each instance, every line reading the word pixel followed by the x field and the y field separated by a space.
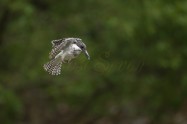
pixel 63 51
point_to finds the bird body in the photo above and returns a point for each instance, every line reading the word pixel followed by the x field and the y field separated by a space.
pixel 64 50
pixel 69 53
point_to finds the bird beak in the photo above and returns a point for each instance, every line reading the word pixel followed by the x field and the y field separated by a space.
pixel 87 55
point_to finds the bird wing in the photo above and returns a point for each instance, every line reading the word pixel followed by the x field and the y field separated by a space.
pixel 58 45
pixel 56 42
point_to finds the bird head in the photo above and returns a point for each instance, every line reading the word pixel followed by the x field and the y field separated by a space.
pixel 82 46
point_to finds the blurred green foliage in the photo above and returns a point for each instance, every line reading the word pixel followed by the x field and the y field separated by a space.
pixel 136 75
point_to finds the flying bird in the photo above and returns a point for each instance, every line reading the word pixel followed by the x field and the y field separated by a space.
pixel 63 51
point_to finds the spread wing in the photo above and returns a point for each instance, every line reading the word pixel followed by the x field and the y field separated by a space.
pixel 56 42
pixel 58 45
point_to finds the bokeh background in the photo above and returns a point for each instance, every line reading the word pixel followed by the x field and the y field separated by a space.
pixel 136 75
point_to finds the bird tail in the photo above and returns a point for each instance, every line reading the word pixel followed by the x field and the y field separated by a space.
pixel 53 67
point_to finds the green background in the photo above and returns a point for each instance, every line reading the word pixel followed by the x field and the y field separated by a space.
pixel 136 75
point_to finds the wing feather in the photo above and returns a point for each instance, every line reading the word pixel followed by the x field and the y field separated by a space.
pixel 56 42
pixel 59 45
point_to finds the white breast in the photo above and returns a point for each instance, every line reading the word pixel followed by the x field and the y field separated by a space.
pixel 75 47
pixel 72 52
